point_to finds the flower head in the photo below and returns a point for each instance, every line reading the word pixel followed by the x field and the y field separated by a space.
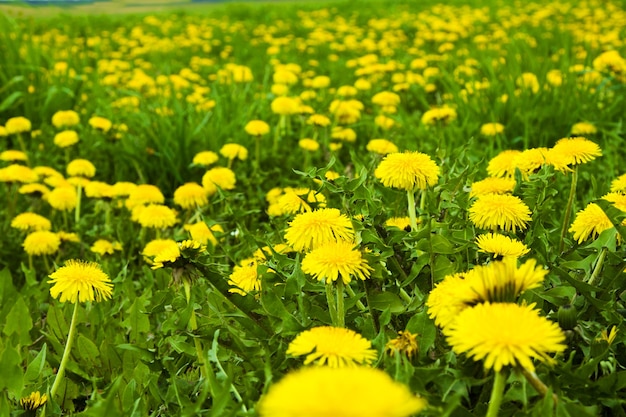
pixel 41 242
pixel 221 177
pixel 257 128
pixel 590 221
pixel 333 346
pixel 491 129
pixel 200 232
pixel 100 123
pixel 205 158
pixel 504 334
pixel 492 185
pixel 618 185
pixel 441 115
pixel 312 229
pixel 381 146
pixel 406 343
pixel 34 401
pixel 155 216
pixel 336 259
pixel 308 144
pixel 494 211
pixel 245 277
pixel 322 391
pixel 81 168
pixel 65 118
pixel 63 198
pixel 191 195
pixel 503 164
pixel 13 155
pixel 408 171
pixel 105 247
pixel 144 194
pixel 17 125
pixel 156 246
pixel 500 245
pixel 577 150
pixel 234 151
pixel 30 222
pixel 80 280
pixel 403 223
pixel 583 128
pixel 66 138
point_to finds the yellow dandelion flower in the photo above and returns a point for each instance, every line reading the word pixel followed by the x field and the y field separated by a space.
pixel 156 246
pixel 200 232
pixel 501 246
pixel 65 118
pixel 18 173
pixel 123 188
pixel 386 98
pixel 68 237
pixel 334 260
pixel 403 223
pixel 308 144
pixel 34 401
pixel 17 125
pixel 531 160
pixel 234 151
pixel 407 171
pixel 344 134
pixel 30 222
pixel 503 164
pixel 491 129
pixel 81 168
pixel 590 221
pixel 205 158
pixel 618 185
pixel 245 277
pixel 583 128
pixel 318 120
pixel 493 211
pixel 321 81
pixel 381 146
pixel 66 138
pixel 63 198
pixel 609 336
pixel 40 189
pixel 190 196
pixel 492 185
pixel 577 150
pixel 323 391
pixel 223 178
pixel 80 280
pixel 618 200
pixel 312 229
pixel 285 106
pixel 528 81
pixel 99 189
pixel 332 346
pixel 105 247
pixel 41 242
pixel 257 128
pixel 100 123
pixel 155 216
pixel 13 155
pixel 441 115
pixel 405 343
pixel 144 194
pixel 504 334
pixel 449 298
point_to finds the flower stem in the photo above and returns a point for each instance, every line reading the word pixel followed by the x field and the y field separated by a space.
pixel 497 392
pixel 598 267
pixel 66 353
pixel 330 298
pixel 79 193
pixel 193 326
pixel 537 384
pixel 413 219
pixel 359 304
pixel 341 311
pixel 568 208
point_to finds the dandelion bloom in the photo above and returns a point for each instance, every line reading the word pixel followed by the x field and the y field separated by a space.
pixel 500 245
pixel 322 391
pixel 221 177
pixel 441 115
pixel 41 242
pixel 257 128
pixel 66 138
pixel 13 155
pixel 531 160
pixel 234 151
pixel 333 260
pixel 504 334
pixel 406 343
pixel 40 189
pixel 491 129
pixel 449 298
pixel 344 134
pixel 245 277
pixel 528 81
pixel 407 171
pixel 200 232
pixel 381 146
pixel 285 106
pixel 81 168
pixel 386 98
pixel 403 223
pixel 30 222
pixel 205 158
pixel 18 173
pixel 318 120
pixel 100 123
pixel 105 247
pixel 309 144
pixel 155 216
pixel 333 346
pixel 503 164
pixel 63 198
pixel 65 118
pixel 190 196
pixel 618 185
pixel 492 185
pixel 16 125
pixel 34 401
pixel 577 150
pixel 313 229
pixel 80 280
pixel 144 194
pixel 156 246
pixel 494 211
pixel 590 221
pixel 98 189
pixel 583 128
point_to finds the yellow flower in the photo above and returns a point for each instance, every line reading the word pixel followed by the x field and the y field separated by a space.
pixel 257 128
pixel 200 232
pixel 381 146
pixel 607 336
pixel 384 122
pixel 81 168
pixel 528 81
pixel 98 189
pixel 406 343
pixel 494 211
pixel 34 401
pixel 234 151
pixel 285 106
pixel 309 144
pixel 503 164
pixel 577 150
pixel 504 334
pixel 491 129
pixel 30 222
pixel 403 223
pixel 449 298
pixel 80 280
pixel 17 125
pixel 492 185
pixel 318 120
pixel 531 160
pixel 41 189
pixel 13 155
pixel 344 134
pixel 190 196
pixel 66 138
pixel 321 81
pixel 155 216
pixel 123 188
pixel 100 123
pixel 583 128
pixel 205 158
pixel 407 171
pixel 441 115
pixel 63 198
pixel 42 242
pixel 245 277
pixel 312 229
pixel 18 173
pixel 221 177
pixel 65 118
pixel 500 245
pixel 144 194
pixel 590 221
pixel 156 246
pixel 333 346
pixel 333 260
pixel 68 237
pixel 104 247
pixel 386 98
pixel 322 391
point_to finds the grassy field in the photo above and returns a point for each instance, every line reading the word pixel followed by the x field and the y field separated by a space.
pixel 301 209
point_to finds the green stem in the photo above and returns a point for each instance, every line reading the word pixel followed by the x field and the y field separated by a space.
pixel 341 311
pixel 497 392
pixel 330 299
pixel 257 153
pixel 413 219
pixel 568 208
pixel 193 326
pixel 537 384
pixel 351 293
pixel 598 267
pixel 66 353
pixel 79 193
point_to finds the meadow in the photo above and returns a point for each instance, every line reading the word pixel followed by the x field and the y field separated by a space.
pixel 376 209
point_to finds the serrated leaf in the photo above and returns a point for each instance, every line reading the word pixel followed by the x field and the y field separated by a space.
pixel 34 369
pixel 18 320
pixel 386 300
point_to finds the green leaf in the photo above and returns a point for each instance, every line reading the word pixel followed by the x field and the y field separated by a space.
pixel 8 102
pixel 136 320
pixel 425 328
pixel 87 349
pixel 34 369
pixel 12 376
pixel 18 320
pixel 386 300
